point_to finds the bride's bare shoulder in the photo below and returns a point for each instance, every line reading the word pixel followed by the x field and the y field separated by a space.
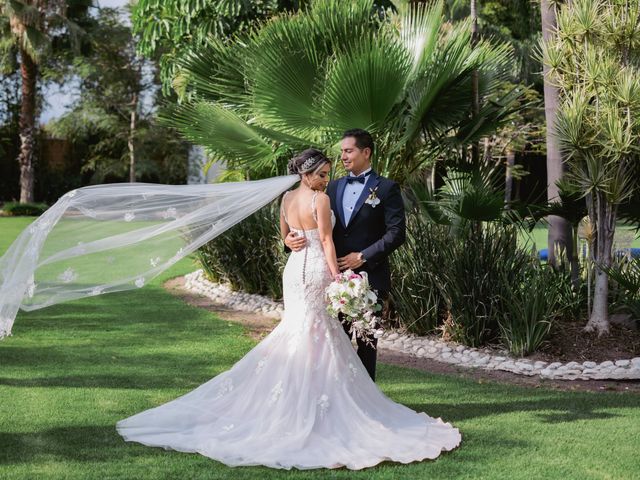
pixel 322 199
pixel 291 195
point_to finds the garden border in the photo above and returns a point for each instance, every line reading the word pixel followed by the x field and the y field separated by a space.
pixel 432 347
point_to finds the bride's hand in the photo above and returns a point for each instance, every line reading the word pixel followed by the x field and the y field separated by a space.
pixel 295 242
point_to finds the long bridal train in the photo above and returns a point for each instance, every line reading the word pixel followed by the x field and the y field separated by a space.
pixel 300 399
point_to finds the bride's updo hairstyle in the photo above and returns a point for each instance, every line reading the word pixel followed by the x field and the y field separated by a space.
pixel 307 161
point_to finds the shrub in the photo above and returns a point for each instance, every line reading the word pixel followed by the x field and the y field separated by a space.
pixel 625 273
pixel 530 307
pixel 573 296
pixel 480 268
pixel 478 286
pixel 16 209
pixel 416 267
pixel 250 256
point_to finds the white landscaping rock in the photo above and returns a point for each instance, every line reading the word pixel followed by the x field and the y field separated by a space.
pixel 432 347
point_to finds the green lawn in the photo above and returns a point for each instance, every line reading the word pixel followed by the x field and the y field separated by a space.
pixel 71 371
pixel 538 236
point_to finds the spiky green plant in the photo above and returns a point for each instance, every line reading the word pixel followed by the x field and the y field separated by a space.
pixel 593 59
pixel 530 307
pixel 417 290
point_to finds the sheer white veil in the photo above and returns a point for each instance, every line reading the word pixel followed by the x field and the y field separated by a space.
pixel 108 238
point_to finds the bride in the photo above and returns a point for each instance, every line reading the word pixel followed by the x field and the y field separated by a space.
pixel 301 398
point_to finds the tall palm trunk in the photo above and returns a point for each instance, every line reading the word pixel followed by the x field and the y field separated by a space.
pixel 29 73
pixel 559 234
pixel 475 88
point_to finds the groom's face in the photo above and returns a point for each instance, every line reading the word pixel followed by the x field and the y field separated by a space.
pixel 354 159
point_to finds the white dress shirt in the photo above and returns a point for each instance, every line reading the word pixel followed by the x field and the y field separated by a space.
pixel 352 192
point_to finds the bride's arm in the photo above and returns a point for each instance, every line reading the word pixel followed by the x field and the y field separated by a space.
pixel 325 228
pixel 284 228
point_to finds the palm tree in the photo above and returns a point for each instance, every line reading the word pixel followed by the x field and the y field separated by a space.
pixel 559 233
pixel 27 28
pixel 475 90
pixel 301 79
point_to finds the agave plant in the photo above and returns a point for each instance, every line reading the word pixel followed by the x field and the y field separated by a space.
pixel 303 78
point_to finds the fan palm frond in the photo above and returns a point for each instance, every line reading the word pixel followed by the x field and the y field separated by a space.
pixel 473 196
pixel 215 71
pixel 363 85
pixel 225 135
pixel 492 115
pixel 627 275
pixel 340 24
pixel 285 75
pixel 301 79
pixel 419 28
pixel 419 193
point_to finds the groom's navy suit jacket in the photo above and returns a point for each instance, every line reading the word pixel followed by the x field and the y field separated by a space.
pixel 374 231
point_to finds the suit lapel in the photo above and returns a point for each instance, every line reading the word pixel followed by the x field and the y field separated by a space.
pixel 342 183
pixel 372 183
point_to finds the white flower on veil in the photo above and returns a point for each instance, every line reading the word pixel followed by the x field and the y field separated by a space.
pixel 68 276
pixel 170 212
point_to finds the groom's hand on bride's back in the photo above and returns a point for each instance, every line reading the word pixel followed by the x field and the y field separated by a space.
pixel 294 241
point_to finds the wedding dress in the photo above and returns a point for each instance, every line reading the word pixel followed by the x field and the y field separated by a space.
pixel 300 399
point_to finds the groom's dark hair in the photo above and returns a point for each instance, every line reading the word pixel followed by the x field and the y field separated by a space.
pixel 363 138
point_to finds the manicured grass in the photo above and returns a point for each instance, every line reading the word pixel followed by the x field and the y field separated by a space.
pixel 10 228
pixel 538 236
pixel 70 372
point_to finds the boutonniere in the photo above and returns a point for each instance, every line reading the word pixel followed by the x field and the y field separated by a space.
pixel 373 199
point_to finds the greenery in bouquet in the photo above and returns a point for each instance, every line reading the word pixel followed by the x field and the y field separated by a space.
pixel 351 295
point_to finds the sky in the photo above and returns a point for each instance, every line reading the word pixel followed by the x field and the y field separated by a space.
pixel 59 99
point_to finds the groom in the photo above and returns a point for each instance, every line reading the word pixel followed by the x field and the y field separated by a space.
pixel 370 223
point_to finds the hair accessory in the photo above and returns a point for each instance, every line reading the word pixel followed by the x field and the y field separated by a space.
pixel 307 164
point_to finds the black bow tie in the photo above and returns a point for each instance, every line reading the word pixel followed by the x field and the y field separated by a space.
pixel 359 178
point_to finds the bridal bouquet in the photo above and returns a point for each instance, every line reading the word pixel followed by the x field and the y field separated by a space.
pixel 351 295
